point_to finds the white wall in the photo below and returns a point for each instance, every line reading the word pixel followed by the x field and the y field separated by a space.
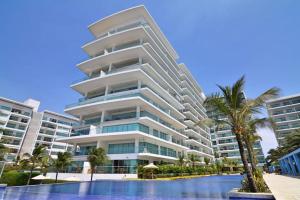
pixel 87 177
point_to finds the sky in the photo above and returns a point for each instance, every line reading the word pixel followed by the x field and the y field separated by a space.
pixel 218 40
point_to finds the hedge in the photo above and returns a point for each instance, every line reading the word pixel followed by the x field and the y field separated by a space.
pixel 175 170
pixel 16 178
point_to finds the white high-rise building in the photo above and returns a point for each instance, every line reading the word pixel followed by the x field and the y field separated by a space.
pixel 138 103
pixel 23 128
pixel 285 112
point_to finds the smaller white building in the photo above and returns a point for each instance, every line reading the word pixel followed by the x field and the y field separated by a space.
pixel 24 128
pixel 285 111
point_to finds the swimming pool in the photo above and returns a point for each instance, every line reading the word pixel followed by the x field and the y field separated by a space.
pixel 204 188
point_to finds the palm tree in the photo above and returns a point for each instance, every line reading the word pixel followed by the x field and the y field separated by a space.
pixel 193 159
pixel 3 151
pixel 219 166
pixel 251 137
pixel 3 148
pixel 232 104
pixel 96 157
pixel 34 160
pixel 45 164
pixel 63 160
pixel 181 161
pixel 291 143
pixel 206 160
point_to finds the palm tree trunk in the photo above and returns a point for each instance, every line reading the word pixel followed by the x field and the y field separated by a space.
pixel 252 185
pixel 30 174
pixel 56 176
pixel 92 174
pixel 250 155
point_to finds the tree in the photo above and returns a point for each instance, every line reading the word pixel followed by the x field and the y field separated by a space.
pixel 3 151
pixel 232 104
pixel 206 160
pixel 250 137
pixel 96 157
pixel 219 166
pixel 192 159
pixel 45 164
pixel 181 161
pixel 291 143
pixel 34 160
pixel 63 160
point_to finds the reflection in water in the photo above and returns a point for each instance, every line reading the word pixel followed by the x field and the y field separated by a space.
pixel 214 187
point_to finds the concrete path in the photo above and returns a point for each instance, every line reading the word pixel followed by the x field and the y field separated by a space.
pixel 283 187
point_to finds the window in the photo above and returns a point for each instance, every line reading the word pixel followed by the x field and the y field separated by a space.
pixel 145 147
pixel 121 148
pixel 5 107
pixel 125 127
pixel 62 134
pixel 58 147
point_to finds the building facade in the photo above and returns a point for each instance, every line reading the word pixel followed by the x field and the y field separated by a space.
pixel 15 118
pixel 24 128
pixel 225 144
pixel 52 127
pixel 285 111
pixel 138 103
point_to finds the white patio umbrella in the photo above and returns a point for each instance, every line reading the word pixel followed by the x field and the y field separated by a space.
pixel 71 178
pixel 41 177
pixel 152 167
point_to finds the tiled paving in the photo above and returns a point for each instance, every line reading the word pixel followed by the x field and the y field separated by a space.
pixel 283 187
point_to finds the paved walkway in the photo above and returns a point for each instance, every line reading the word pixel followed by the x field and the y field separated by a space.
pixel 283 187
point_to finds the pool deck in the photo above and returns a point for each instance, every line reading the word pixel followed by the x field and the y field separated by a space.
pixel 283 187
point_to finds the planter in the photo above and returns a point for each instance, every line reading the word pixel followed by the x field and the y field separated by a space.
pixel 2 190
pixel 235 194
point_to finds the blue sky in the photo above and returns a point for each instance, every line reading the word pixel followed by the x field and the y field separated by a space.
pixel 218 40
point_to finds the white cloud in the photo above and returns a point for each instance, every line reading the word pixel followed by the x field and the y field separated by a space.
pixel 268 139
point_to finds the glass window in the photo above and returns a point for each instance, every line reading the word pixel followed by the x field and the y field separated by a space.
pixel 121 148
pixel 5 107
pixel 145 147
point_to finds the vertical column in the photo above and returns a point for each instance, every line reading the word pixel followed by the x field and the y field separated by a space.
pixel 141 41
pixel 136 145
pixel 138 112
pixel 101 122
pixel 139 84
pixel 159 150
pixel 106 90
pixel 110 67
pixel 99 144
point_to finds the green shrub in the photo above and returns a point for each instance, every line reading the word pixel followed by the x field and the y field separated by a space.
pixel 175 170
pixel 259 181
pixel 15 178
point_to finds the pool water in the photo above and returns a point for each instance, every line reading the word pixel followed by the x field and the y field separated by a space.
pixel 204 188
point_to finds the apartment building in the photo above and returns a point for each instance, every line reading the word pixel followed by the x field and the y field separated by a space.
pixel 15 118
pixel 25 128
pixel 52 127
pixel 225 144
pixel 285 112
pixel 138 103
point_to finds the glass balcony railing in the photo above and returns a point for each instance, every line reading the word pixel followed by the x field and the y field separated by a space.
pixel 120 95
pixel 116 70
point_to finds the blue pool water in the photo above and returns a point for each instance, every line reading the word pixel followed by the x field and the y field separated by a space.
pixel 213 187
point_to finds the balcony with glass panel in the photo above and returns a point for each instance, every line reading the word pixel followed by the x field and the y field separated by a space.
pixel 119 99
